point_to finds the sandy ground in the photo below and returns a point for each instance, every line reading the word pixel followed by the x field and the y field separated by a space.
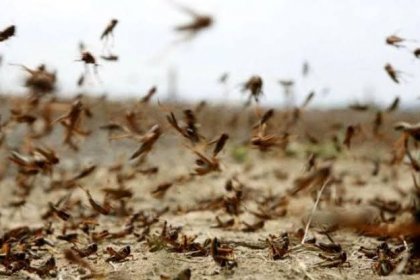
pixel 262 174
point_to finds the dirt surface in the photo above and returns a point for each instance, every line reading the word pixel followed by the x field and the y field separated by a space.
pixel 191 202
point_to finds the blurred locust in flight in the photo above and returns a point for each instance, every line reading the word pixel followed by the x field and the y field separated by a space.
pixel 88 59
pixel 147 139
pixel 199 22
pixel 189 30
pixel 7 33
pixel 206 164
pixel 108 33
pixel 254 85
pixel 71 122
pixel 392 73
pixel 416 53
pixel 395 41
pixel 40 81
pixel 109 29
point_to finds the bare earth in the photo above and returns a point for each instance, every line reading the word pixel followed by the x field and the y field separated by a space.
pixel 262 174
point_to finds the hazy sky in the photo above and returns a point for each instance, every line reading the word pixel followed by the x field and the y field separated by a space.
pixel 343 41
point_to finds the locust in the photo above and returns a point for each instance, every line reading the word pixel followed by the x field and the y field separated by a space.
pixel 7 33
pixel 313 179
pixel 40 81
pixel 109 29
pixel 394 105
pixel 254 85
pixel 104 210
pixel 392 73
pixel 333 260
pixel 206 164
pixel 413 130
pixel 190 130
pixel 89 60
pixel 148 140
pixel 110 57
pixel 118 256
pixel 350 132
pixel 395 41
pixel 42 160
pixel 278 246
pixel 161 189
pixel 416 52
pixel 152 91
pixel 86 251
pixel 72 122
pixel 222 255
pixel 198 23
pixel 73 257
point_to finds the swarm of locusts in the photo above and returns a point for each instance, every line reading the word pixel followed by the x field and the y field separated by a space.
pixel 92 187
